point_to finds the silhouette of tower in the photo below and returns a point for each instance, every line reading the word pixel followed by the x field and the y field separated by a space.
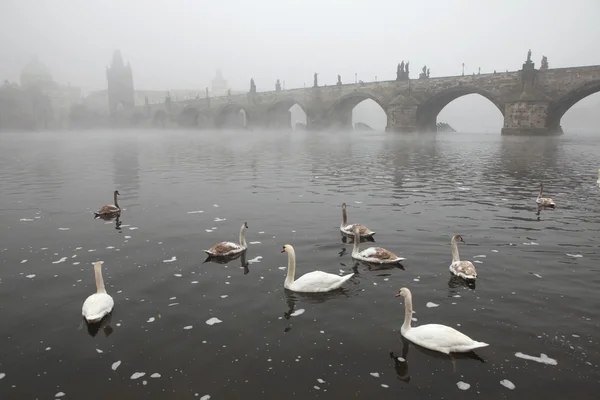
pixel 120 84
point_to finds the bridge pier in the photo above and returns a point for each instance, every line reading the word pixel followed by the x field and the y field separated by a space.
pixel 402 119
pixel 528 117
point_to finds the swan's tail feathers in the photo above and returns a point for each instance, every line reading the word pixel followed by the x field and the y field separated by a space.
pixel 208 252
pixel 346 278
pixel 478 345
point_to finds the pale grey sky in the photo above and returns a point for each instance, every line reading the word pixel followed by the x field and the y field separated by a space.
pixel 179 44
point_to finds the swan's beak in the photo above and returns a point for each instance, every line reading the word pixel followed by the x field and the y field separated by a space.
pixel 398 294
pixel 283 251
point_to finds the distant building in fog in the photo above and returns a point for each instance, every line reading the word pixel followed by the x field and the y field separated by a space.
pixel 219 85
pixel 37 76
pixel 120 84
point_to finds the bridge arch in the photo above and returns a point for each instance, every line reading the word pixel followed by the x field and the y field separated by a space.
pixel 188 116
pixel 286 113
pixel 232 116
pixel 559 108
pixel 341 113
pixel 428 110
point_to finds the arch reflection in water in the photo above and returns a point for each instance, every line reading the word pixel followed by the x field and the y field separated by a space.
pixel 227 259
pixel 93 328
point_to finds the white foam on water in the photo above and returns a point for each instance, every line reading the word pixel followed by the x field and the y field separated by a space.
pixel 478 262
pixel 133 228
pixel 45 248
pixel 261 232
pixel 224 296
pixel 110 247
pixel 208 230
pixel 62 260
pixel 194 282
pixel 172 304
pixel 416 279
pixel 575 255
pixel 316 387
pixel 375 374
pixel 127 237
pixel 171 259
pixel 178 275
pixel 137 375
pixel 254 242
pixel 172 298
pixel 151 319
pixel 507 384
pixel 430 304
pixel 188 327
pixel 23 261
pixel 48 348
pixel 463 385
pixel 384 385
pixel 574 335
pixel 76 263
pixel 400 359
pixel 100 261
pixel 217 219
pixel 480 256
pixel 544 359
pixel 538 275
pixel 216 205
pixel 494 251
pixel 26 220
pixel 2 375
pixel 213 321
pixel 531 244
pixel 115 365
pixel 195 212
pixel 59 394
pixel 320 380
pixel 99 351
pixel 64 229
pixel 255 260
pixel 30 276
pixel 205 397
pixel 144 383
pixel 282 268
pixel 155 375
pixel 358 202
pixel 298 312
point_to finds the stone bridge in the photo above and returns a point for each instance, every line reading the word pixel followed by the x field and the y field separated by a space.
pixel 531 100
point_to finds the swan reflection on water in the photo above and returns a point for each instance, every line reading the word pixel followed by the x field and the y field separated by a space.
pixel 458 282
pixel 313 298
pixel 227 259
pixel 111 217
pixel 363 239
pixel 376 267
pixel 93 328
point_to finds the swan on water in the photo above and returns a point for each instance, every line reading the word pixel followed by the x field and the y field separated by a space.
pixel 311 282
pixel 99 304
pixel 463 269
pixel 348 229
pixel 225 249
pixel 110 209
pixel 375 255
pixel 435 337
pixel 544 201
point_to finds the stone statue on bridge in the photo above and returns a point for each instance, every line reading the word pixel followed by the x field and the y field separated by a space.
pixel 407 72
pixel 315 83
pixel 529 57
pixel 278 86
pixel 424 72
pixel 402 71
pixel 428 72
pixel 339 82
pixel 252 86
pixel 228 92
pixel 206 93
pixel 544 64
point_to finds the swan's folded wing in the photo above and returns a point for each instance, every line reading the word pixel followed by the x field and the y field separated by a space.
pixel 223 247
pixel 320 281
pixel 439 336
pixel 108 209
pixel 384 254
pixel 466 267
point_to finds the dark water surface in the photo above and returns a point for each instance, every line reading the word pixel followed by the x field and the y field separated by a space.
pixel 537 292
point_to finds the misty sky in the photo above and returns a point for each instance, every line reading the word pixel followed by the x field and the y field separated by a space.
pixel 178 44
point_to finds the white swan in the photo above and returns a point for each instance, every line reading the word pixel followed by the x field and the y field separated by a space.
pixel 435 337
pixel 99 304
pixel 464 269
pixel 375 255
pixel 348 229
pixel 598 181
pixel 224 249
pixel 544 201
pixel 111 208
pixel 312 282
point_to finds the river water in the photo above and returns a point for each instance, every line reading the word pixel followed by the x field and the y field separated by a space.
pixel 182 191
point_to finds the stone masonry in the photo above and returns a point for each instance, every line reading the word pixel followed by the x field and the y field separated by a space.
pixel 531 101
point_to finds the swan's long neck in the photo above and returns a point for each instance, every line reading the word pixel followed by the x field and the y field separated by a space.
pixel 243 236
pixel 355 249
pixel 344 217
pixel 116 202
pixel 99 281
pixel 455 256
pixel 541 191
pixel 289 279
pixel 408 310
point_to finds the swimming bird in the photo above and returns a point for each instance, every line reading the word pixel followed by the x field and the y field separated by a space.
pixel 348 229
pixel 311 282
pixel 544 201
pixel 434 337
pixel 464 269
pixel 224 249
pixel 376 255
pixel 110 209
pixel 99 304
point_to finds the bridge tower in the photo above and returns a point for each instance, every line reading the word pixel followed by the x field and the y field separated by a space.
pixel 120 84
